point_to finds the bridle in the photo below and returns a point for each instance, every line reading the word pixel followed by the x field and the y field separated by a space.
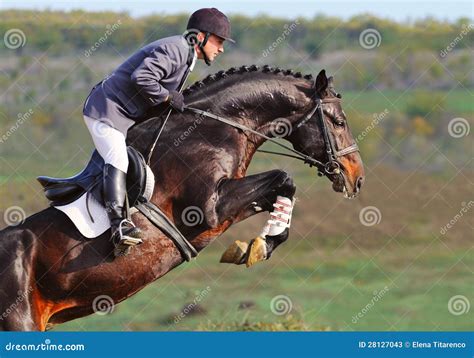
pixel 331 167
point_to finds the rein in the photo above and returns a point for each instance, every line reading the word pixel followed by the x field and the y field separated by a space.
pixel 301 156
pixel 330 167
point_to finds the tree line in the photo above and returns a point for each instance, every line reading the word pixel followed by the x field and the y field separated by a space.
pixel 78 31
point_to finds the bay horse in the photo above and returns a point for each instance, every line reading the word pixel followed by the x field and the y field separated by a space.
pixel 50 273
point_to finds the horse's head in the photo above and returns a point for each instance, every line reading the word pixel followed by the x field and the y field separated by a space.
pixel 323 133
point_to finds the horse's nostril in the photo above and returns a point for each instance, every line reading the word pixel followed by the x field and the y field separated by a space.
pixel 359 183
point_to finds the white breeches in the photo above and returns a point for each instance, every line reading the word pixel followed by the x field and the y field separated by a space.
pixel 109 142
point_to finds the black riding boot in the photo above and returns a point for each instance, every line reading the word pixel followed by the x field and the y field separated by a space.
pixel 124 233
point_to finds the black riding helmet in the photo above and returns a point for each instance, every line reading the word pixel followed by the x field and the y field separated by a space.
pixel 209 21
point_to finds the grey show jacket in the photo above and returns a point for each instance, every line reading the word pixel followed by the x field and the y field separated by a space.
pixel 142 81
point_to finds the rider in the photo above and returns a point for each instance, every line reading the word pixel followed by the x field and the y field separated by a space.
pixel 151 76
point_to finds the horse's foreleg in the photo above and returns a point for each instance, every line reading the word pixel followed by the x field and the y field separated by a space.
pixel 241 198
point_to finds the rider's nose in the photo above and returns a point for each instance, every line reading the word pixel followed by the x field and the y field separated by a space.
pixel 359 182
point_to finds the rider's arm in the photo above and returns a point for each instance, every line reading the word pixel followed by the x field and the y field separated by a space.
pixel 161 63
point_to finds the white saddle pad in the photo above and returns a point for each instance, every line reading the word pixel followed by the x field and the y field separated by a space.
pixel 77 211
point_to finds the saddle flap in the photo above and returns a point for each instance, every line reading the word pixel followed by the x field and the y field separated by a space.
pixel 62 191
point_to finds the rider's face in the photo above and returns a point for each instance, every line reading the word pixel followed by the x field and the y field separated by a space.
pixel 213 48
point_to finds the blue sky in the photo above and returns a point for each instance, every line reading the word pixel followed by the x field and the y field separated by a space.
pixel 400 10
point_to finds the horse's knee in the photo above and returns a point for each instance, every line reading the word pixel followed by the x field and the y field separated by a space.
pixel 290 187
pixel 285 184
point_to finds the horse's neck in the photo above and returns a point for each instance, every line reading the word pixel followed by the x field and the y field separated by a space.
pixel 258 118
pixel 251 141
pixel 246 100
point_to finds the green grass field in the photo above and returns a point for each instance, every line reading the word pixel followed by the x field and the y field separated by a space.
pixel 457 100
pixel 327 287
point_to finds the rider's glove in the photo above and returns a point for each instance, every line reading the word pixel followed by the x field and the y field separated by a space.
pixel 176 100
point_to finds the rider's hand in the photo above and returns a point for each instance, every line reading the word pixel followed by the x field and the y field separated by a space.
pixel 176 101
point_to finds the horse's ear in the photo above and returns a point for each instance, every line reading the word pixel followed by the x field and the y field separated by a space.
pixel 331 82
pixel 321 83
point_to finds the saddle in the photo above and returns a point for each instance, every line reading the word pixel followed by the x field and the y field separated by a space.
pixel 140 182
pixel 62 191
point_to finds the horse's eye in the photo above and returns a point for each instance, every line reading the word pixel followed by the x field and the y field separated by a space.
pixel 339 122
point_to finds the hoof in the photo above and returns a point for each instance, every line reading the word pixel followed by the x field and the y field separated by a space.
pixel 257 251
pixel 235 253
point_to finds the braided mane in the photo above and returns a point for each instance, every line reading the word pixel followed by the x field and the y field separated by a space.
pixel 213 78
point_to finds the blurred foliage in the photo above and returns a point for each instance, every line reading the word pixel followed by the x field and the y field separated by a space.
pixel 422 127
pixel 76 30
pixel 423 103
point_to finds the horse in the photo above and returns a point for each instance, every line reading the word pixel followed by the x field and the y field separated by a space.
pixel 51 274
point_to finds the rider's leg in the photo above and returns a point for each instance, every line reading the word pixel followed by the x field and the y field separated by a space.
pixel 110 143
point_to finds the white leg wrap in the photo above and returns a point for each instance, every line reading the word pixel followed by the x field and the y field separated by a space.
pixel 280 217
